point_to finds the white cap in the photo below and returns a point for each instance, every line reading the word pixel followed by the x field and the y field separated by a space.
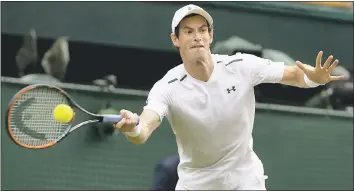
pixel 187 10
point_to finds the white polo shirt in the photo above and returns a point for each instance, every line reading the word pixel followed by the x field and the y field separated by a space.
pixel 213 121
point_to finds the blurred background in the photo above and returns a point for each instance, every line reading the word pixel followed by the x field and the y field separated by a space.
pixel 108 55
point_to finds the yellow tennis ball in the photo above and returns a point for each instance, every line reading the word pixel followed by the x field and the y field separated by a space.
pixel 63 113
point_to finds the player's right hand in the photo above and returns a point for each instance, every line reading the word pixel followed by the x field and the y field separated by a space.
pixel 128 122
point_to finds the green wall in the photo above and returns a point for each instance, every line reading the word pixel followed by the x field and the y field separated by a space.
pixel 298 151
pixel 297 31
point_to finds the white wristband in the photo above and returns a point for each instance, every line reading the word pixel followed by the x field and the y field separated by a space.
pixel 310 83
pixel 134 133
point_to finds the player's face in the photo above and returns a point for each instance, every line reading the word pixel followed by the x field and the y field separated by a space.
pixel 194 38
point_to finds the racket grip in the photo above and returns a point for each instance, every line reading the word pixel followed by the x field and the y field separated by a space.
pixel 111 118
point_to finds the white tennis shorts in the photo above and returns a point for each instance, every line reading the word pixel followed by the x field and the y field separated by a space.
pixel 258 183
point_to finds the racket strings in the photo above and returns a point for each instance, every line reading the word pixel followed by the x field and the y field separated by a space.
pixel 31 118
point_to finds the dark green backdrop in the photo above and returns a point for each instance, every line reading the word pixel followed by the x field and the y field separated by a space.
pixel 298 151
pixel 298 31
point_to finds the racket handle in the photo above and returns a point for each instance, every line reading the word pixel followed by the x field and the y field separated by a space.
pixel 111 118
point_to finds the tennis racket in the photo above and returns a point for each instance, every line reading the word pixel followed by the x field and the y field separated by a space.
pixel 30 120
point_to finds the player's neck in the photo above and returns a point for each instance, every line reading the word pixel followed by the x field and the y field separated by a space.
pixel 200 69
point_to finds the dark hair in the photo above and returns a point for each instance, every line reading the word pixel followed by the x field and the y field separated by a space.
pixel 191 15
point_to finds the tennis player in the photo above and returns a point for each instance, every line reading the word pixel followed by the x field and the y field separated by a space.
pixel 210 104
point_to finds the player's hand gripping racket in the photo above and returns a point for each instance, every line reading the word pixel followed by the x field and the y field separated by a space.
pixel 30 119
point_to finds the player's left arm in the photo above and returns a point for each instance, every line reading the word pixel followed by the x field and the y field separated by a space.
pixel 306 76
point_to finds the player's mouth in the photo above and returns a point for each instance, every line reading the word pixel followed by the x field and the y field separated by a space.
pixel 197 46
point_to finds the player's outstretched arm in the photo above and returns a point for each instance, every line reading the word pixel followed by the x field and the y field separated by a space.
pixel 138 129
pixel 305 76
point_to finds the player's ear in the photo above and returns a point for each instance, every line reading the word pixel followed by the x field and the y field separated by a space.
pixel 175 40
pixel 211 34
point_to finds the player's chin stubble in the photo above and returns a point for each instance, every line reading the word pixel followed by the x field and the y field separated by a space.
pixel 200 56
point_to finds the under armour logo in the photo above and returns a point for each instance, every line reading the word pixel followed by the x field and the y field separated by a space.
pixel 233 88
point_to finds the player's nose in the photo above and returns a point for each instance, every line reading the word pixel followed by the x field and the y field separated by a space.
pixel 197 39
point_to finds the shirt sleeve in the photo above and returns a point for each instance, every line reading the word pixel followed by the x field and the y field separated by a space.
pixel 262 70
pixel 157 100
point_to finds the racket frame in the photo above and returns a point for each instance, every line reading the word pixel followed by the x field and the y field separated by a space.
pixel 95 118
